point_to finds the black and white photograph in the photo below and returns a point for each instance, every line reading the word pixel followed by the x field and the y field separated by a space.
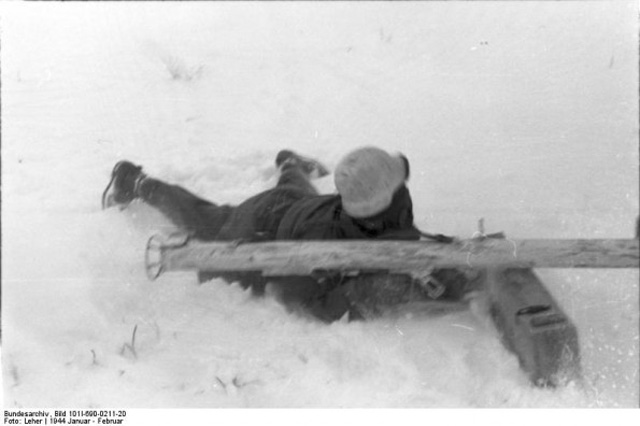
pixel 308 204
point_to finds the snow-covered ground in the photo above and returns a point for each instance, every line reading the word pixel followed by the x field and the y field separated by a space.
pixel 524 113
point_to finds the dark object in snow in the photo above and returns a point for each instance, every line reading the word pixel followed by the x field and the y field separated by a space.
pixel 131 347
pixel 312 168
pixel 533 326
pixel 121 190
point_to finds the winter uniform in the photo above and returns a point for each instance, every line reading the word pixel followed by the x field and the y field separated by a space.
pixel 293 209
pixel 373 203
pixel 324 218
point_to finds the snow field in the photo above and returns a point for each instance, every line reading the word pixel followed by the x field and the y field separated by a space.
pixel 531 124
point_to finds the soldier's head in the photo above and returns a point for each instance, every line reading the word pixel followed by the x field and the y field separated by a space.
pixel 367 180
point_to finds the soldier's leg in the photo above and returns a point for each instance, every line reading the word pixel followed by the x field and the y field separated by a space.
pixel 197 217
pixel 298 171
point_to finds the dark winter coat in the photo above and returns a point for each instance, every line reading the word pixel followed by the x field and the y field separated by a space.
pixel 287 213
pixel 322 218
